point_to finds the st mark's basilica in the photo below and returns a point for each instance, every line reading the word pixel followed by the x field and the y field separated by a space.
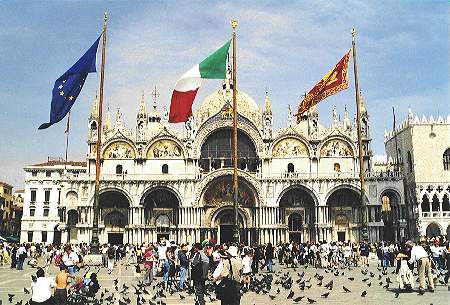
pixel 298 183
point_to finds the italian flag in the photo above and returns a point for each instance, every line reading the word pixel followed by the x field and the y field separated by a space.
pixel 213 67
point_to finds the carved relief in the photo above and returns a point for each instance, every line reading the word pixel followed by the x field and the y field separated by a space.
pixel 164 149
pixel 119 150
pixel 336 148
pixel 220 192
pixel 290 147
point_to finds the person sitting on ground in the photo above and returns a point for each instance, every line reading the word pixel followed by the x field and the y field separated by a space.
pixel 42 289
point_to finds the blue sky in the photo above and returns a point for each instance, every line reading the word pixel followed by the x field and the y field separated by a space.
pixel 285 46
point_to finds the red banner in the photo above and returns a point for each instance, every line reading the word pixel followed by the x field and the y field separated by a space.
pixel 333 82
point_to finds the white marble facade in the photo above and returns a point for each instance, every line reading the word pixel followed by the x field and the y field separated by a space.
pixel 298 183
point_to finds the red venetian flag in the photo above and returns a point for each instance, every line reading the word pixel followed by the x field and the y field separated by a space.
pixel 333 82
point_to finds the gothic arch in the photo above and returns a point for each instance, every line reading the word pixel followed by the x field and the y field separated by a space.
pixel 345 186
pixel 434 228
pixel 113 189
pixel 291 136
pixel 242 213
pixel 340 138
pixel 249 180
pixel 311 192
pixel 207 129
pixel 155 187
pixel 113 140
pixel 167 138
pixel 390 190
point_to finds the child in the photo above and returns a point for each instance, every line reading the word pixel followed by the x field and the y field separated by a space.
pixel 404 275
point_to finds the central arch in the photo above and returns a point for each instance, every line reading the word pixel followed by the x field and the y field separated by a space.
pixel 220 192
pixel 297 206
pixel 223 221
pixel 114 209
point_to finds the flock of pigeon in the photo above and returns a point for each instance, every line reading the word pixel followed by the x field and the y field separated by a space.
pixel 275 286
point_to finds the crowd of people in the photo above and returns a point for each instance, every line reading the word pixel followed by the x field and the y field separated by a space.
pixel 231 268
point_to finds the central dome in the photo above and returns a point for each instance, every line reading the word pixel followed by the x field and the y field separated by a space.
pixel 213 103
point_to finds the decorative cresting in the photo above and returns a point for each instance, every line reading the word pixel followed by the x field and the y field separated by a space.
pixel 336 148
pixel 164 149
pixel 250 180
pixel 119 150
pixel 245 127
pixel 290 147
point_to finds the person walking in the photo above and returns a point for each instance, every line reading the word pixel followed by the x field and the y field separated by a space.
pixel 111 256
pixel 200 267
pixel 420 256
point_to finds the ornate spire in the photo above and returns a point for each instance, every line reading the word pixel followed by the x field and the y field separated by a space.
pixel 362 103
pixel 107 124
pixel 154 115
pixel 347 122
pixel 227 82
pixel 267 105
pixel 94 112
pixel 142 109
pixel 118 123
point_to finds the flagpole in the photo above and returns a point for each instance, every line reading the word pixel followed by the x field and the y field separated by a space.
pixel 234 25
pixel 67 138
pixel 95 241
pixel 360 145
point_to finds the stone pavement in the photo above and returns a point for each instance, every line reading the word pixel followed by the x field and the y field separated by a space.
pixel 14 281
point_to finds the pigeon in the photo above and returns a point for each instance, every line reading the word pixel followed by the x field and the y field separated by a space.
pixel 10 297
pixel 369 284
pixel 386 286
pixel 364 293
pixel 396 295
pixel 26 291
pixel 311 301
pixel 278 290
pixel 272 297
pixel 346 289
pixel 388 280
pixel 365 280
pixel 298 299
pixel 325 295
pixel 290 295
pixel 211 299
pixel 351 278
pixel 182 297
pixel 116 281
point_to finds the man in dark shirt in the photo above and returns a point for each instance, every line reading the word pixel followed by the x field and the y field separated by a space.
pixel 184 264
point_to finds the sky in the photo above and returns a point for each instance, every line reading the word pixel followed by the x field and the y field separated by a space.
pixel 284 47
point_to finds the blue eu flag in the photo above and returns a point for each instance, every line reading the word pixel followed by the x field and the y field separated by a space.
pixel 68 86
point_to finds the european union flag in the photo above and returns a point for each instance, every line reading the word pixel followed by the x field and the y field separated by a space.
pixel 68 86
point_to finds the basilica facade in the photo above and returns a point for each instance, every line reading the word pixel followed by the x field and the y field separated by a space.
pixel 297 183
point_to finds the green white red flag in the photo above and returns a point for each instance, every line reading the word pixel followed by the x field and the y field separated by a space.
pixel 186 88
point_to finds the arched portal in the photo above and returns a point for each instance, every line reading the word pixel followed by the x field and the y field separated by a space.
pixel 72 220
pixel 433 229
pixel 217 151
pixel 114 213
pixel 298 210
pixel 345 214
pixel 224 222
pixel 390 211
pixel 161 211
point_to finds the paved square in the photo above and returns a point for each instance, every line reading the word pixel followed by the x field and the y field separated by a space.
pixel 14 282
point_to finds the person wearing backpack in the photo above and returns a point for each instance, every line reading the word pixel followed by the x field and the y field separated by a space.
pixel 199 270
pixel 230 278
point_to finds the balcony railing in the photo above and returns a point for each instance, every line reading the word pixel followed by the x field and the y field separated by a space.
pixel 436 214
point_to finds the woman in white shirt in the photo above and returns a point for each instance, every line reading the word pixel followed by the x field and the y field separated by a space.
pixel 42 289
pixel 247 267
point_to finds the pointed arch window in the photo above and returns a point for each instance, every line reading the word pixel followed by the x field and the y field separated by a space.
pixel 446 159
pixel 165 169
pixel 119 169
pixel 290 168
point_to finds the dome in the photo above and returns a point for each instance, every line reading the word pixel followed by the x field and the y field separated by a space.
pixel 214 103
